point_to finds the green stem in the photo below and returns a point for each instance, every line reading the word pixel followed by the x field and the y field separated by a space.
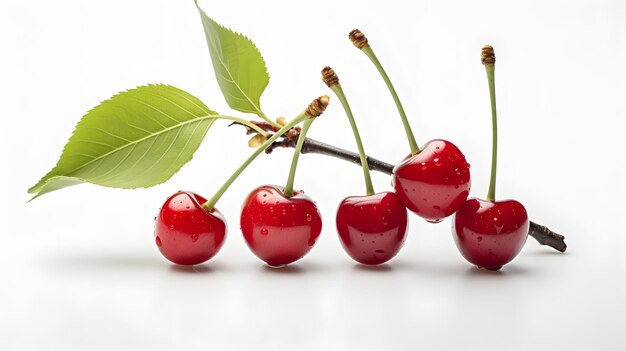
pixel 369 188
pixel 407 127
pixel 244 122
pixel 296 156
pixel 262 115
pixel 491 195
pixel 213 200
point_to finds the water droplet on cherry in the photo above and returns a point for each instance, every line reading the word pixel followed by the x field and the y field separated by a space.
pixel 264 231
pixel 158 241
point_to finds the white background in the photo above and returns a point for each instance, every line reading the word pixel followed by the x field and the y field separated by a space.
pixel 79 268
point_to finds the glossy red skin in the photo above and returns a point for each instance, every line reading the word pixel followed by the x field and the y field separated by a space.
pixel 490 234
pixel 372 228
pixel 185 232
pixel 435 182
pixel 278 229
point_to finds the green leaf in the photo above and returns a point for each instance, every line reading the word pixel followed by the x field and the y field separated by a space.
pixel 136 139
pixel 239 66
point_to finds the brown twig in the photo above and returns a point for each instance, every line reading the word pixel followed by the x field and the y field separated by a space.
pixel 311 146
pixel 547 237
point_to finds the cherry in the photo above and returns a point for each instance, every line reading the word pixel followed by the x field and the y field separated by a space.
pixel 490 234
pixel 372 228
pixel 280 225
pixel 434 182
pixel 185 232
pixel 189 229
pixel 279 229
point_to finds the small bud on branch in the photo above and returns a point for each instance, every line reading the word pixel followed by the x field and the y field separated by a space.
pixel 317 106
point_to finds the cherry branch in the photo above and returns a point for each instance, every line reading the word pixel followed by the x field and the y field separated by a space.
pixel 547 237
pixel 539 232
pixel 317 147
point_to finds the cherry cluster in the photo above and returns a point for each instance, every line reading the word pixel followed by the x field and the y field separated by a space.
pixel 280 224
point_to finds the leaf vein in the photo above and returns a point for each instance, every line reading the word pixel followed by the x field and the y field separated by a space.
pixel 153 135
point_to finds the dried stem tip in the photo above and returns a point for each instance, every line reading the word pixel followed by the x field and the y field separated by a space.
pixel 487 56
pixel 329 76
pixel 358 39
pixel 317 107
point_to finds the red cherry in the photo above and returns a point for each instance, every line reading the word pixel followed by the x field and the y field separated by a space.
pixel 490 234
pixel 433 183
pixel 185 232
pixel 278 229
pixel 372 228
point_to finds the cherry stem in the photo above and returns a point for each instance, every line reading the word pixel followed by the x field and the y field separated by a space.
pixel 213 200
pixel 369 188
pixel 296 155
pixel 491 194
pixel 407 127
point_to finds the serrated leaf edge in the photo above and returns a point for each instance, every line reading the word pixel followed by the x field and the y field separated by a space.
pixel 258 111
pixel 36 189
